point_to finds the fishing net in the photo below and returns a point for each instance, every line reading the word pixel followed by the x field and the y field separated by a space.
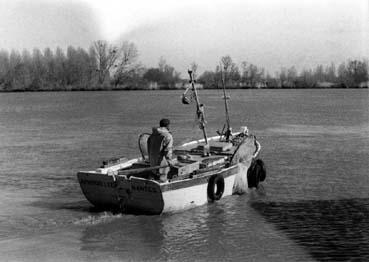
pixel 243 156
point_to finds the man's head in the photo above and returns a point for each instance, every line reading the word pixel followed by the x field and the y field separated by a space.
pixel 164 123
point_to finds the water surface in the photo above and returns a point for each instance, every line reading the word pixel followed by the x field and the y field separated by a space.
pixel 313 205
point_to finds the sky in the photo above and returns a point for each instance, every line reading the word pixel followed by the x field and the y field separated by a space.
pixel 271 34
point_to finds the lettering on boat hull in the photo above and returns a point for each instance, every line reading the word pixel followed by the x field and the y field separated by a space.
pixel 98 183
pixel 132 195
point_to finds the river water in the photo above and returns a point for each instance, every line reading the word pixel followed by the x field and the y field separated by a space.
pixel 313 206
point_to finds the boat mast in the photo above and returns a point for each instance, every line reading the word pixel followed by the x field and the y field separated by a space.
pixel 228 132
pixel 199 108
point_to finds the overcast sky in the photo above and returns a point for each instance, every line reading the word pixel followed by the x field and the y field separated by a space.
pixel 270 34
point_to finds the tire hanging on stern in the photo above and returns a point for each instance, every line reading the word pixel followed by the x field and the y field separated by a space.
pixel 215 187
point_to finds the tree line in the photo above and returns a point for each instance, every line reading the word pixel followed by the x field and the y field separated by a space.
pixel 350 74
pixel 107 67
pixel 102 67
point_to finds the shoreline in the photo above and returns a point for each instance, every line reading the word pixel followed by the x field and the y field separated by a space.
pixel 169 89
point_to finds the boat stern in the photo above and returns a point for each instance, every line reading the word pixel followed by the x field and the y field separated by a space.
pixel 128 195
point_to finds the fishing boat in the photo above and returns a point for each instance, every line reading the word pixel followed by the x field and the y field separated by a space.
pixel 204 171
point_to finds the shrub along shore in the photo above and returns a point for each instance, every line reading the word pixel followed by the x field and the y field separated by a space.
pixel 107 67
pixel 144 88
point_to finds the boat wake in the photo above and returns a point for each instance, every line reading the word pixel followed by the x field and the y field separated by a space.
pixel 104 217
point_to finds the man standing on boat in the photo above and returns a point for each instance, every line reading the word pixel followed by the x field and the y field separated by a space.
pixel 160 149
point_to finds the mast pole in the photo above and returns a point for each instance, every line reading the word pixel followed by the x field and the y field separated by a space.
pixel 199 108
pixel 228 131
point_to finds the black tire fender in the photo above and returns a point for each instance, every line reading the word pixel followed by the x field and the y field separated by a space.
pixel 256 173
pixel 216 187
pixel 261 169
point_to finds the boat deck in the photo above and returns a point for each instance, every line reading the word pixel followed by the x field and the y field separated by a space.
pixel 192 159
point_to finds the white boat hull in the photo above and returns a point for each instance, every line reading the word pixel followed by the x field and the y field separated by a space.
pixel 189 197
pixel 107 189
pixel 137 195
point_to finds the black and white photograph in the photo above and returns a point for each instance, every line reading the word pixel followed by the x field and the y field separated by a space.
pixel 196 130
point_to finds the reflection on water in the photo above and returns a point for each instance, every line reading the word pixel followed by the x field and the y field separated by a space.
pixel 134 237
pixel 229 230
pixel 331 230
pixel 142 237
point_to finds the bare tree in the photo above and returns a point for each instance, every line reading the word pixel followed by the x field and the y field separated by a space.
pixel 27 68
pixel 106 56
pixel 208 79
pixel 38 69
pixel 253 73
pixel 4 68
pixel 283 75
pixel 226 62
pixel 49 63
pixel 60 67
pixel 307 78
pixel 357 71
pixel 330 72
pixel 15 67
pixel 292 74
pixel 126 61
pixel 319 73
pixel 230 69
pixel 244 72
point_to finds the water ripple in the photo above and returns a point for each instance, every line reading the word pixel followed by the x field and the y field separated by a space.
pixel 330 229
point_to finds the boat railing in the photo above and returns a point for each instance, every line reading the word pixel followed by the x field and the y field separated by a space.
pixel 258 148
pixel 105 170
pixel 213 138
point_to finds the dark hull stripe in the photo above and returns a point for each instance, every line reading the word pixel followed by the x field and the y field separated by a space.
pixel 126 195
